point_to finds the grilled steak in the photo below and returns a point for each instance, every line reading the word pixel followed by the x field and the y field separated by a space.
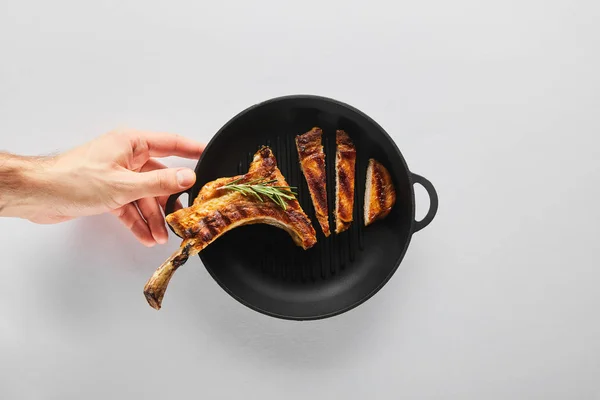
pixel 345 161
pixel 380 195
pixel 312 163
pixel 217 210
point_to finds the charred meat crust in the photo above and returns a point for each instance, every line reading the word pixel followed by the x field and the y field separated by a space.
pixel 345 178
pixel 309 143
pixel 211 225
pixel 312 164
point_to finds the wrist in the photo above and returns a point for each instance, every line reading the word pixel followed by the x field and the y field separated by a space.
pixel 22 184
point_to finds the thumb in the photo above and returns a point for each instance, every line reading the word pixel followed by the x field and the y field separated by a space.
pixel 162 182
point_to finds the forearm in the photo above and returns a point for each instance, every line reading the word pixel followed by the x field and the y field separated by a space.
pixel 22 184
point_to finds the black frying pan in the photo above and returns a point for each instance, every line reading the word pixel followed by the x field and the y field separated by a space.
pixel 259 265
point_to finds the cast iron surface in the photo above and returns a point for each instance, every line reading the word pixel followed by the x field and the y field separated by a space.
pixel 259 265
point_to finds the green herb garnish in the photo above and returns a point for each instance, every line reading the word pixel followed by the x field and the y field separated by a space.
pixel 261 187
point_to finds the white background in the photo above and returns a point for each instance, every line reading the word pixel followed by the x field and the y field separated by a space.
pixel 495 102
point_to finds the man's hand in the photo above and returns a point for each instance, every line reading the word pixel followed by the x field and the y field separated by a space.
pixel 114 173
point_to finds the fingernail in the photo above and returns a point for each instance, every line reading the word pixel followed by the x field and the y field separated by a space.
pixel 160 237
pixel 185 177
pixel 161 240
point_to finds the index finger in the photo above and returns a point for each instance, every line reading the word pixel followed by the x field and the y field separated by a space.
pixel 169 144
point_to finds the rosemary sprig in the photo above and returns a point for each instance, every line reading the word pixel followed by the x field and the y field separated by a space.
pixel 262 187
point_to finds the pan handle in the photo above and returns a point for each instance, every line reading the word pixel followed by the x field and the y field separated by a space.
pixel 433 201
pixel 170 206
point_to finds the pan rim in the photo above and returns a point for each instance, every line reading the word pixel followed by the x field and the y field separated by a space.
pixel 412 195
